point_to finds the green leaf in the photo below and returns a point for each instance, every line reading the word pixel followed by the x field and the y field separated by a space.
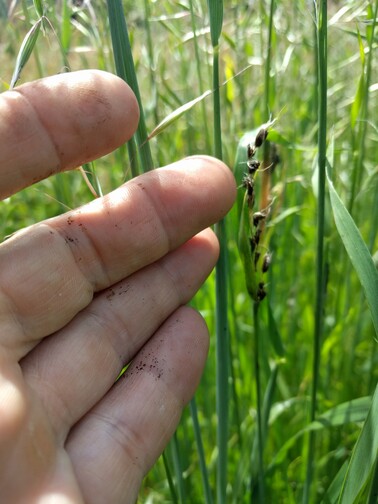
pixel 364 456
pixel 65 30
pixel 361 47
pixel 357 102
pixel 357 251
pixel 333 491
pixel 274 333
pixel 38 7
pixel 176 114
pixel 351 411
pixel 216 20
pixel 126 70
pixel 25 51
pixel 276 137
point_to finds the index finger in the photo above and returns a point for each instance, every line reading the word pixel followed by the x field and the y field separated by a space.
pixel 61 122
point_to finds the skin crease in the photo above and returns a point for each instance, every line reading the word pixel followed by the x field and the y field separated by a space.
pixel 84 293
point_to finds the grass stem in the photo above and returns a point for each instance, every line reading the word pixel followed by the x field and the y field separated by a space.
pixel 201 453
pixel 222 333
pixel 320 294
pixel 199 75
pixel 359 155
pixel 171 485
pixel 221 287
pixel 222 360
pixel 261 485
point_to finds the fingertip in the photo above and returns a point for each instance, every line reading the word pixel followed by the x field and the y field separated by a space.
pixel 119 92
pixel 219 173
pixel 127 431
pixel 60 122
pixel 196 336
pixel 86 114
pixel 206 246
pixel 189 349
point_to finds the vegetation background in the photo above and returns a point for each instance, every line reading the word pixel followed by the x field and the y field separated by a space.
pixel 171 44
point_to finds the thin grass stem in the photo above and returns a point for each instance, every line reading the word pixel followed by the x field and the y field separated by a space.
pixel 222 332
pixel 217 108
pixel 151 57
pixel 222 361
pixel 320 294
pixel 256 361
pixel 199 75
pixel 169 479
pixel 175 454
pixel 268 63
pixel 267 103
pixel 221 290
pixel 208 499
pixel 359 157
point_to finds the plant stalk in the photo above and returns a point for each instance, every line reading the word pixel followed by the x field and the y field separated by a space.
pixel 359 155
pixel 222 336
pixel 320 294
pixel 261 486
pixel 201 453
pixel 221 291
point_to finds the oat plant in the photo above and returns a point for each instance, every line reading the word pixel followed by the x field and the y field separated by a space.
pixel 277 366
pixel 222 329
pixel 322 48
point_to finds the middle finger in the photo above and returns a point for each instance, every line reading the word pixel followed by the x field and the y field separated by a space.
pixel 72 370
pixel 49 272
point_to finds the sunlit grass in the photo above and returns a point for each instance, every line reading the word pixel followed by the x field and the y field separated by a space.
pixel 347 350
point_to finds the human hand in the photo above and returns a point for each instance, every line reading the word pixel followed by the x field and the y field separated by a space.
pixel 84 293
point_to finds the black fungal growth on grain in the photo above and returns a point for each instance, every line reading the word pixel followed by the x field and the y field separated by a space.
pixel 261 258
pixel 261 137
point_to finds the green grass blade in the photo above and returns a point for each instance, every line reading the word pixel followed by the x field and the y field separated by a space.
pixel 342 414
pixel 151 59
pixel 217 107
pixel 38 7
pixel 126 70
pixel 216 20
pixel 174 448
pixel 357 250
pixel 199 68
pixel 322 22
pixel 364 457
pixel 362 106
pixel 222 355
pixel 222 330
pixel 265 406
pixel 65 30
pixel 201 454
pixel 274 333
pixel 373 495
pixel 259 412
pixel 359 96
pixel 25 51
pixel 176 114
pixel 332 494
pixel 171 485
